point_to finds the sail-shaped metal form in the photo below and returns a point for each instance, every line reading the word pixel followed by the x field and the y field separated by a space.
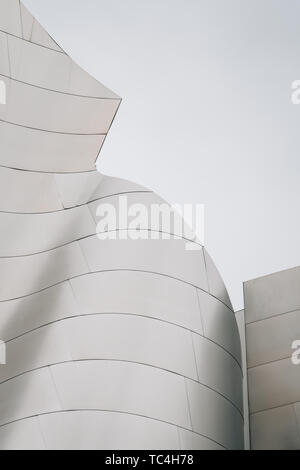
pixel 111 344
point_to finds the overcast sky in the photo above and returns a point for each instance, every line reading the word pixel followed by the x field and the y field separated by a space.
pixel 206 114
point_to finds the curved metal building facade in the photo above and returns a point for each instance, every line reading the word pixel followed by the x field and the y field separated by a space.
pixel 111 344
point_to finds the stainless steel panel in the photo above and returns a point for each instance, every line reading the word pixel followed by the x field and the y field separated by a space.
pixel 275 429
pixel 47 68
pixel 37 349
pixel 167 257
pixel 27 22
pixel 27 396
pixel 42 232
pixel 22 435
pixel 139 293
pixel 214 417
pixel 271 340
pixel 240 318
pixel 217 369
pixel 20 316
pixel 215 281
pixel 92 186
pixel 192 441
pixel 146 391
pixel 297 412
pixel 272 295
pixel 32 31
pixel 10 17
pixel 30 274
pixel 81 83
pixel 273 385
pixel 219 324
pixel 19 189
pixel 4 62
pixel 102 430
pixel 31 149
pixel 40 36
pixel 131 338
pixel 57 112
pixel 169 222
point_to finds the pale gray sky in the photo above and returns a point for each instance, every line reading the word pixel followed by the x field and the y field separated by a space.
pixel 206 114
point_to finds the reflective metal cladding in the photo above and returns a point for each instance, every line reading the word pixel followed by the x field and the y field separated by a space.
pixel 111 344
pixel 272 314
